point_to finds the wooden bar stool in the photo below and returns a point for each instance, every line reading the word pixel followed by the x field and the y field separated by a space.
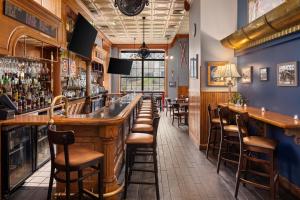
pixel 250 147
pixel 73 159
pixel 229 138
pixel 213 127
pixel 135 142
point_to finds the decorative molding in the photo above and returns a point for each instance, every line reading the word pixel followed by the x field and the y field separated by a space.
pixel 281 21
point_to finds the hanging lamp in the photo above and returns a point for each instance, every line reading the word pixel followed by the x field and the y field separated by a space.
pixel 144 51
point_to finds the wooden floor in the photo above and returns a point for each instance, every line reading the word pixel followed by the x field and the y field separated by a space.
pixel 185 174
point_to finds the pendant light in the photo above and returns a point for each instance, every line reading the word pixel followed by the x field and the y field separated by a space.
pixel 144 50
pixel 131 7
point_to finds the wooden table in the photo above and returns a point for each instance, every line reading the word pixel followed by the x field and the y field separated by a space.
pixel 290 126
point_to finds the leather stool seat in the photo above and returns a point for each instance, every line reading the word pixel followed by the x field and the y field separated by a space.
pixel 139 138
pixel 143 121
pixel 262 142
pixel 142 128
pixel 149 116
pixel 78 157
pixel 217 121
pixel 145 112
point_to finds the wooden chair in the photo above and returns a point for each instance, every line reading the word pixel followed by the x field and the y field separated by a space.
pixel 178 113
pixel 138 144
pixel 72 159
pixel 250 146
pixel 169 107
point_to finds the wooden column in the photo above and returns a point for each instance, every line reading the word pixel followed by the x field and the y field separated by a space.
pixel 57 90
pixel 88 78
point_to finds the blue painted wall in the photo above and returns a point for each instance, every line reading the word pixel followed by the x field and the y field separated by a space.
pixel 284 100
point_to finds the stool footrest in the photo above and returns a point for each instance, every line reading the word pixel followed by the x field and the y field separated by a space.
pixel 141 183
pixel 255 184
pixel 142 170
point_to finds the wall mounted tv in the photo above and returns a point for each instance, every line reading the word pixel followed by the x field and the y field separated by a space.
pixel 83 37
pixel 119 66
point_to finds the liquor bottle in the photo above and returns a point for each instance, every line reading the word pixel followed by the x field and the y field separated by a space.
pixel 29 100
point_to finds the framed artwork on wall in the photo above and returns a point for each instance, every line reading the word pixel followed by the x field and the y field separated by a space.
pixel 246 73
pixel 287 74
pixel 194 62
pixel 257 8
pixel 215 72
pixel 264 74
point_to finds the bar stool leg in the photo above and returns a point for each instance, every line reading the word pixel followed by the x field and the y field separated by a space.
pixel 67 185
pixel 272 176
pixel 156 173
pixel 50 183
pixel 238 173
pixel 220 152
pixel 215 139
pixel 209 138
pixel 80 184
pixel 100 179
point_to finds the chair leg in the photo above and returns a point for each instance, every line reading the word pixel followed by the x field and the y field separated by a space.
pixel 80 184
pixel 208 142
pixel 50 183
pixel 173 119
pixel 215 139
pixel 68 185
pixel 100 179
pixel 179 120
pixel 126 172
pixel 156 173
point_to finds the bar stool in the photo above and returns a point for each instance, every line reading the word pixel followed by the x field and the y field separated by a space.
pixel 229 137
pixel 73 159
pixel 213 127
pixel 134 142
pixel 249 147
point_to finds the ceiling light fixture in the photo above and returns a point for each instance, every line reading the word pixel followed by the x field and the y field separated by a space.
pixel 131 7
pixel 144 50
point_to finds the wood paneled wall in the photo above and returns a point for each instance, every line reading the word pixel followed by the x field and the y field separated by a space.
pixel 213 98
pixel 194 116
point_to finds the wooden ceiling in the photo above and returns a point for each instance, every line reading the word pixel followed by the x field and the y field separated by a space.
pixel 164 19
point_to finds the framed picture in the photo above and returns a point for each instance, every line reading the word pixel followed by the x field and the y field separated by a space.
pixel 172 84
pixel 287 74
pixel 194 67
pixel 257 8
pixel 214 73
pixel 246 75
pixel 264 74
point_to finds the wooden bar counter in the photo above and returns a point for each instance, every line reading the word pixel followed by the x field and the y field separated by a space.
pixel 104 130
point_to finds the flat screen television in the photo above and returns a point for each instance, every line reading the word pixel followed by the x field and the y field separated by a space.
pixel 119 66
pixel 83 37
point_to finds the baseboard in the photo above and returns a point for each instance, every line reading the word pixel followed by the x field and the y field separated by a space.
pixel 292 188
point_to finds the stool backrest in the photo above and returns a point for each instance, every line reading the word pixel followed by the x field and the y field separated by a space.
pixel 224 115
pixel 211 113
pixel 242 121
pixel 63 138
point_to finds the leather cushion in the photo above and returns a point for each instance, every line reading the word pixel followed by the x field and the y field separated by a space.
pixel 78 156
pixel 139 138
pixel 141 128
pixel 217 121
pixel 149 116
pixel 143 121
pixel 257 141
pixel 146 109
pixel 145 112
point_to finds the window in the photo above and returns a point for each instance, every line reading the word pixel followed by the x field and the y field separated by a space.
pixel 146 75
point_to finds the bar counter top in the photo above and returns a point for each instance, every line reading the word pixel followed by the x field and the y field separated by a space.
pixel 268 117
pixel 115 113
